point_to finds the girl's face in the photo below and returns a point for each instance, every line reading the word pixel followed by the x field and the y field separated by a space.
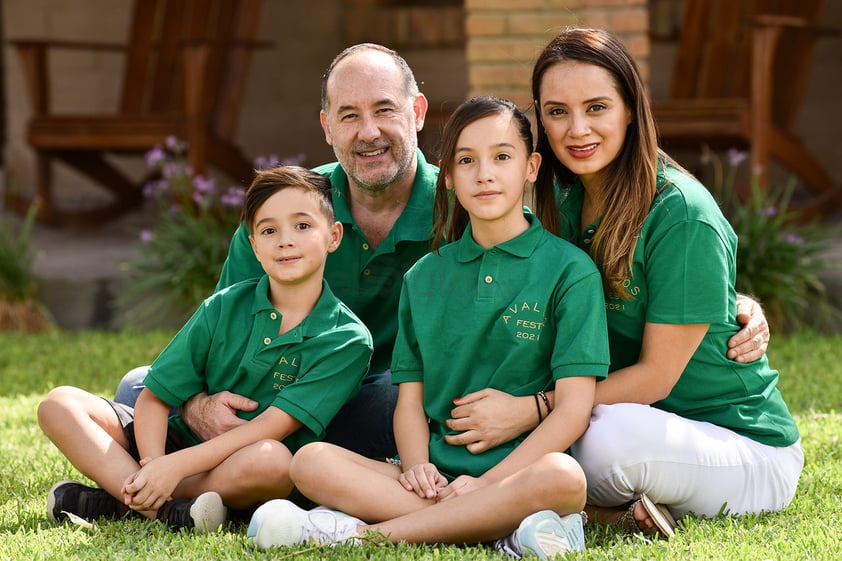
pixel 489 168
pixel 291 237
pixel 584 116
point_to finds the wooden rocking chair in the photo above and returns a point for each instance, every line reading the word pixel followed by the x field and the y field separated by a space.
pixel 739 79
pixel 185 70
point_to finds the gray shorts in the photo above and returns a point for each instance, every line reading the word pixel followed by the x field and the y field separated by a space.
pixel 175 440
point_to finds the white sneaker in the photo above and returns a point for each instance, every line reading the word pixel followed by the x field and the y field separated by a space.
pixel 544 535
pixel 280 522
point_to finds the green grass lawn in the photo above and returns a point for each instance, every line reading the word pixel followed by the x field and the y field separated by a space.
pixel 809 529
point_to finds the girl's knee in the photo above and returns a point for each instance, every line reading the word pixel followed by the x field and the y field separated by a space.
pixel 560 479
pixel 310 457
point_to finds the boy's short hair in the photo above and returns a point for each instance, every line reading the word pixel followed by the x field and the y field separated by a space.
pixel 268 182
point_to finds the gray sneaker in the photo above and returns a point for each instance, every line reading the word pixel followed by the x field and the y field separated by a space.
pixel 280 522
pixel 544 535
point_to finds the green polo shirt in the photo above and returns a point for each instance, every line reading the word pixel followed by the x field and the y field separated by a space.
pixel 232 343
pixel 684 272
pixel 369 282
pixel 514 317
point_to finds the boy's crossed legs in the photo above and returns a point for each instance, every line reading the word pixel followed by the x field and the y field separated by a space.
pixel 91 434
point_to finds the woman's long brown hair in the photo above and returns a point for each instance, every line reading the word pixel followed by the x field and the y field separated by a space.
pixel 629 183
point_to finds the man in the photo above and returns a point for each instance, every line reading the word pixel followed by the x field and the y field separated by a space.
pixel 371 113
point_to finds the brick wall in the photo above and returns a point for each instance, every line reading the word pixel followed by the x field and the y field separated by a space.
pixel 502 43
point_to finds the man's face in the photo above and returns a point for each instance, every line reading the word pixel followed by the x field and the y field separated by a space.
pixel 371 122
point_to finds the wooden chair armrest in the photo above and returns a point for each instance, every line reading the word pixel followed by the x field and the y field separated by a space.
pixel 792 22
pixel 33 57
pixel 244 43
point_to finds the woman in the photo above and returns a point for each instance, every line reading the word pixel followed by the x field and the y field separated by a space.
pixel 675 421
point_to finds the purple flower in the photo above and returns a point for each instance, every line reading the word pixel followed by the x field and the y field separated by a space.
pixel 155 187
pixel 266 162
pixel 172 169
pixel 204 184
pixel 175 145
pixel 793 239
pixel 768 211
pixel 146 235
pixel 297 160
pixel 736 157
pixel 233 197
pixel 199 198
pixel 155 156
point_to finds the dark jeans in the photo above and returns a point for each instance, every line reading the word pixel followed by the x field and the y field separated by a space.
pixel 363 425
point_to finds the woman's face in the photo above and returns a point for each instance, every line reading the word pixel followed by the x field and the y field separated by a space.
pixel 584 116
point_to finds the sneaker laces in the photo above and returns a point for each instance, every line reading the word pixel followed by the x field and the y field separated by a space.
pixel 329 526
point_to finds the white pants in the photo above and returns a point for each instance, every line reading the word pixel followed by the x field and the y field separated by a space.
pixel 690 466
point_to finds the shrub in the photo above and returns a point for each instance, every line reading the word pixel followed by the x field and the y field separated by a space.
pixel 780 255
pixel 20 309
pixel 181 257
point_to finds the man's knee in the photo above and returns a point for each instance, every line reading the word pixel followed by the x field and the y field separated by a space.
pixel 130 386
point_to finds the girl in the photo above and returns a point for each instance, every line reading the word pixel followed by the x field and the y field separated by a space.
pixel 675 420
pixel 524 310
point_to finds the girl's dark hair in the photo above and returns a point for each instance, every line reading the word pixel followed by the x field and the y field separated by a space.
pixel 268 182
pixel 629 183
pixel 449 217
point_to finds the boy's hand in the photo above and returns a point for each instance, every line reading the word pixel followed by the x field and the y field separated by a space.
pixel 460 486
pixel 152 485
pixel 424 479
pixel 208 416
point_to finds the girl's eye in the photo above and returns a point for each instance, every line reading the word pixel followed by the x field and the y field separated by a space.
pixel 557 111
pixel 464 160
pixel 268 231
pixel 596 107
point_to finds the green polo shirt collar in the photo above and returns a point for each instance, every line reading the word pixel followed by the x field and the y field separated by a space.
pixel 521 246
pixel 318 321
pixel 414 223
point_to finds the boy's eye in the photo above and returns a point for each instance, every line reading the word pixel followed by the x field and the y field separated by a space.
pixel 302 226
pixel 503 156
pixel 268 231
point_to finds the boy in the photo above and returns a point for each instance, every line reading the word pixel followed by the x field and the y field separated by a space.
pixel 283 340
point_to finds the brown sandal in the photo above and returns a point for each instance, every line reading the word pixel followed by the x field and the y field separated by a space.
pixel 660 515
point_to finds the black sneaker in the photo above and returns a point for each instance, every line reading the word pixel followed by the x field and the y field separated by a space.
pixel 88 502
pixel 205 513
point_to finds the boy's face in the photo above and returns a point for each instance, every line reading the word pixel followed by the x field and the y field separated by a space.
pixel 291 237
